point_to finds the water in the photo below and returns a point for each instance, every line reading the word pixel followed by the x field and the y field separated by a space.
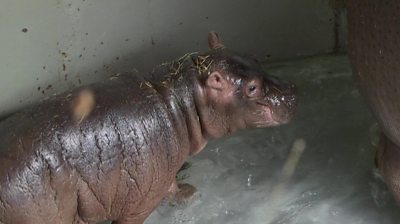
pixel 256 176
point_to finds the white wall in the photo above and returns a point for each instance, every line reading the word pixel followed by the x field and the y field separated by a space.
pixel 73 41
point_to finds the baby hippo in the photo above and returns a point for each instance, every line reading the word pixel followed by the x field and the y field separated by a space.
pixel 111 151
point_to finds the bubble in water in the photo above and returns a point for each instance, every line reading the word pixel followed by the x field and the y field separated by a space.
pixel 249 179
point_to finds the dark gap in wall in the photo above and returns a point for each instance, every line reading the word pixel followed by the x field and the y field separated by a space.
pixel 336 30
pixel 338 9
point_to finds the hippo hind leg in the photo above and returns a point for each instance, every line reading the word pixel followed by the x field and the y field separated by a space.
pixel 387 160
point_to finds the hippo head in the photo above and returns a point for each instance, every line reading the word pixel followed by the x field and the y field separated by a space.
pixel 237 93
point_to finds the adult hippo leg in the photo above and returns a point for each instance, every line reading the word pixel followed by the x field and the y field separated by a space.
pixel 387 160
pixel 374 50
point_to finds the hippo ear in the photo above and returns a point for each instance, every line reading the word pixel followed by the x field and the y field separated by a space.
pixel 213 40
pixel 216 81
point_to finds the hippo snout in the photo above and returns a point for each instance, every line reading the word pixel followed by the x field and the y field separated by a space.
pixel 282 97
pixel 289 95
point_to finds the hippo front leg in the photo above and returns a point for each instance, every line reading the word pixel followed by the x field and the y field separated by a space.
pixel 133 218
pixel 131 221
pixel 177 194
pixel 180 194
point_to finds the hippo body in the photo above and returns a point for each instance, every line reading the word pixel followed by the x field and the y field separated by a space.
pixel 124 154
pixel 121 160
pixel 374 50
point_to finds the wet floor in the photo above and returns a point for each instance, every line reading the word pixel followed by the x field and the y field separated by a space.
pixel 317 169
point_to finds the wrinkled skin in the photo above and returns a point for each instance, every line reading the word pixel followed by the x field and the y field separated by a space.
pixel 374 50
pixel 112 152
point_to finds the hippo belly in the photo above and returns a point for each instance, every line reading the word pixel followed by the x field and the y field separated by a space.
pixel 374 50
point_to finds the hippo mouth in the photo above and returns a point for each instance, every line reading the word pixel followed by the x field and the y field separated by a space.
pixel 268 114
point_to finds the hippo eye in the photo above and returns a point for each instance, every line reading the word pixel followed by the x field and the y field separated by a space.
pixel 252 89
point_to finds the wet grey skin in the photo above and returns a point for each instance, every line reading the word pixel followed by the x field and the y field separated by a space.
pixel 119 159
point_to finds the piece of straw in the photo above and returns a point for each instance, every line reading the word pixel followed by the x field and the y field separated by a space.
pixel 288 169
